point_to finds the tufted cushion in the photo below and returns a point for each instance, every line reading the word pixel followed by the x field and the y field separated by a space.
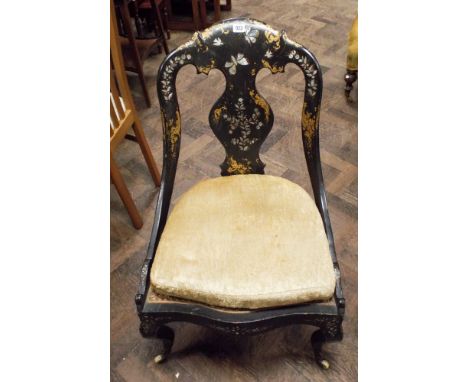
pixel 244 241
pixel 352 59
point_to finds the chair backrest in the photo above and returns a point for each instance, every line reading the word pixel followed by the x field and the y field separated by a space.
pixel 122 108
pixel 241 118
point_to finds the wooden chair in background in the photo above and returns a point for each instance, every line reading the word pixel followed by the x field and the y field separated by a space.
pixel 227 6
pixel 216 16
pixel 123 116
pixel 136 50
pixel 198 14
pixel 154 13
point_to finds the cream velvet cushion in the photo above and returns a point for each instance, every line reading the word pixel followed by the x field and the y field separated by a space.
pixel 244 241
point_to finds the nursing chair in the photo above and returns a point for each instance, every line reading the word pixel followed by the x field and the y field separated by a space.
pixel 245 252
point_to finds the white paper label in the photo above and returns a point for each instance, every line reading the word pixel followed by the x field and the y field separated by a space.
pixel 238 28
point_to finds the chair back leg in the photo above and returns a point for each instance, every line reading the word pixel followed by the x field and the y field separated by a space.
pixel 196 15
pixel 158 23
pixel 136 55
pixel 124 194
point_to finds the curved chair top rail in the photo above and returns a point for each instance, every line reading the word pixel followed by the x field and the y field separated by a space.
pixel 241 118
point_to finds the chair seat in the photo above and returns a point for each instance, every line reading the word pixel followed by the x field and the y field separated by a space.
pixel 246 242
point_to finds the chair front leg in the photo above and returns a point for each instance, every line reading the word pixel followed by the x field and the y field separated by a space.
pixel 350 77
pixel 329 331
pixel 151 328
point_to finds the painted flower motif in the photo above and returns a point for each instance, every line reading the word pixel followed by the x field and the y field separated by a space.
pixel 241 125
pixel 217 42
pixel 166 87
pixel 268 54
pixel 232 65
pixel 309 69
pixel 251 36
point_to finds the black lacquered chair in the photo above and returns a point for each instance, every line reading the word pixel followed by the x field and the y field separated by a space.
pixel 245 252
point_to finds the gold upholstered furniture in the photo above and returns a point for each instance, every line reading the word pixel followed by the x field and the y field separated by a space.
pixel 244 241
pixel 245 252
pixel 352 58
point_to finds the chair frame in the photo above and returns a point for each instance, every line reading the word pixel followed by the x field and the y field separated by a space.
pixel 199 15
pixel 139 48
pixel 124 116
pixel 158 12
pixel 216 48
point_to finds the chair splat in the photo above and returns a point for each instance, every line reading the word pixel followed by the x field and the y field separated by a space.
pixel 241 118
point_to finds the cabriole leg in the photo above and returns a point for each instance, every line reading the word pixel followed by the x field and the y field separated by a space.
pixel 330 330
pixel 317 339
pixel 163 333
pixel 350 77
pixel 166 335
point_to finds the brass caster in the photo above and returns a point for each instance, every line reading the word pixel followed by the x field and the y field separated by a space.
pixel 165 337
pixel 324 364
pixel 159 358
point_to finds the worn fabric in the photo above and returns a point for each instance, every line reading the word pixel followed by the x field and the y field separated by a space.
pixel 244 241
